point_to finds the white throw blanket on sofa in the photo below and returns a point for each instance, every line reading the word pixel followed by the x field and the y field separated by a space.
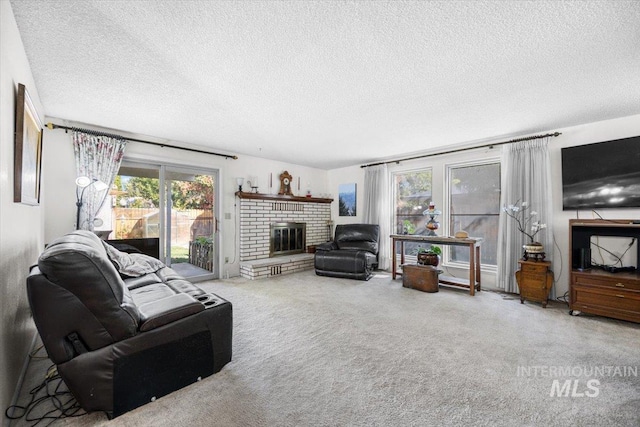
pixel 132 265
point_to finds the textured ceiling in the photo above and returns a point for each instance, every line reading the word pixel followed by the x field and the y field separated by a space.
pixel 333 83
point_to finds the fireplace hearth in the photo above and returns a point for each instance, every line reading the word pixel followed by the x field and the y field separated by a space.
pixel 287 238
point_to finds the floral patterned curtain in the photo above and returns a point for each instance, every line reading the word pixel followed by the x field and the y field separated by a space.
pixel 97 157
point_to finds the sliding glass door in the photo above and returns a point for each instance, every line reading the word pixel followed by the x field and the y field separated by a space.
pixel 172 207
pixel 190 221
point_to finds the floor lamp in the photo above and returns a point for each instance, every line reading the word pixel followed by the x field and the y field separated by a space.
pixel 84 182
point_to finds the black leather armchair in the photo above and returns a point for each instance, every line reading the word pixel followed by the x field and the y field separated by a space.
pixel 353 254
pixel 120 340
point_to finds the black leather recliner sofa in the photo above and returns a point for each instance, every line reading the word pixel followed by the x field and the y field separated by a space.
pixel 124 329
pixel 353 254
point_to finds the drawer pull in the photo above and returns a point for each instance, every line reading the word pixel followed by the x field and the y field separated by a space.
pixel 620 296
pixel 619 285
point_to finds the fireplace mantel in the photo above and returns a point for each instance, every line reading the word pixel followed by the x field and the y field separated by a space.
pixel 281 198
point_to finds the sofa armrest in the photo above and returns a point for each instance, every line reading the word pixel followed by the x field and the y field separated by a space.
pixel 327 246
pixel 166 310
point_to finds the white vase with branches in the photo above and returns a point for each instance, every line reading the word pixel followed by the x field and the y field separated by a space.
pixel 528 224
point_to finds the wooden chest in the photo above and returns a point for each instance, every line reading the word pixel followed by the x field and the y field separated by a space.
pixel 421 277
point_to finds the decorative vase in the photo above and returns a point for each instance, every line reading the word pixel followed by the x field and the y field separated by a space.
pixel 534 250
pixel 428 258
pixel 432 225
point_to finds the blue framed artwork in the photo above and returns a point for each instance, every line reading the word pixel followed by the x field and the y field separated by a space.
pixel 347 199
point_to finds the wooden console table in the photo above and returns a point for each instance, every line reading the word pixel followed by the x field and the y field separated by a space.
pixel 474 257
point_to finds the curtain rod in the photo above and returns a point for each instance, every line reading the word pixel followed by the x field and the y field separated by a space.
pixel 528 138
pixel 98 133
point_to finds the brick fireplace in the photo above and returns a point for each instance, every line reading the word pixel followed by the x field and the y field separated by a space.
pixel 259 213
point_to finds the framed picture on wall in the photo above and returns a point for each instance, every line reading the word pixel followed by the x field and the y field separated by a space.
pixel 347 200
pixel 27 151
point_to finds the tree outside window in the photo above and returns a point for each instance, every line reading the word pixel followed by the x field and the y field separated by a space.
pixel 412 196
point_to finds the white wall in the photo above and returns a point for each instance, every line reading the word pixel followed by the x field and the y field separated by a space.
pixel 21 226
pixel 59 171
pixel 576 135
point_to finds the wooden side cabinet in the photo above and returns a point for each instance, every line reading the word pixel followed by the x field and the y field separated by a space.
pixel 596 291
pixel 535 279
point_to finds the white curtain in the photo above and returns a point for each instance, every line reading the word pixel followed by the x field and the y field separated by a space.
pixel 97 157
pixel 377 209
pixel 526 178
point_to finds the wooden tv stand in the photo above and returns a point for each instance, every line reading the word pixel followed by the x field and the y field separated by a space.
pixel 600 292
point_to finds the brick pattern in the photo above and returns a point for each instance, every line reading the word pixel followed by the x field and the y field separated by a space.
pixel 281 265
pixel 256 217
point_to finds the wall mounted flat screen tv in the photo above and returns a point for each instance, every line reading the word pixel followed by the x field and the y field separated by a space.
pixel 601 175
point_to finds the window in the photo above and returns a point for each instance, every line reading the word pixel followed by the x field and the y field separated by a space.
pixel 412 192
pixel 474 206
pixel 133 211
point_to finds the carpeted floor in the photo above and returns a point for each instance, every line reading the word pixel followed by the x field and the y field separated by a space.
pixel 315 351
